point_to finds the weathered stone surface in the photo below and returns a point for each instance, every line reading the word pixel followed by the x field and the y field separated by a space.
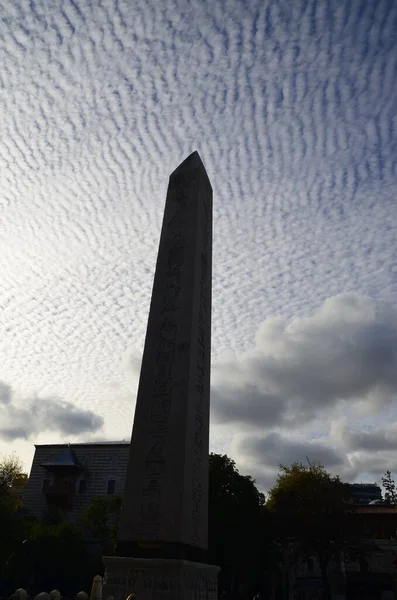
pixel 156 579
pixel 166 492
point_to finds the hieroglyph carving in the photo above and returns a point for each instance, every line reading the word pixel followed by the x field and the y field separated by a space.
pixel 201 375
pixel 155 465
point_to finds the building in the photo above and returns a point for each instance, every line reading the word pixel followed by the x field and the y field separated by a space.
pixel 364 493
pixel 67 476
pixel 373 577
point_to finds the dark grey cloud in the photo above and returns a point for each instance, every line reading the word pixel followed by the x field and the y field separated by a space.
pixel 275 448
pixel 27 417
pixel 65 417
pixel 320 386
pixel 345 351
pixel 351 454
pixel 5 393
pixel 10 434
pixel 245 404
pixel 369 439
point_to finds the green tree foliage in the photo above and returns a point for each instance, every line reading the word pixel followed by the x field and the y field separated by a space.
pixel 13 523
pixel 99 521
pixel 12 478
pixel 308 488
pixel 51 556
pixel 314 515
pixel 51 516
pixel 14 528
pixel 238 537
pixel 390 487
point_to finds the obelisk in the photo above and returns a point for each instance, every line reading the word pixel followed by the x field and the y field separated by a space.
pixel 162 534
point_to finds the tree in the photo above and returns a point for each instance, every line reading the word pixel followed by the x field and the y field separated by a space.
pixel 12 477
pixel 51 556
pixel 14 525
pixel 99 521
pixel 238 537
pixel 314 515
pixel 390 487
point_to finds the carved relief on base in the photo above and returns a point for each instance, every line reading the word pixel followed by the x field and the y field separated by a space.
pixel 152 579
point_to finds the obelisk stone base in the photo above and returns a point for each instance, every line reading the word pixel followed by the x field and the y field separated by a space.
pixel 159 579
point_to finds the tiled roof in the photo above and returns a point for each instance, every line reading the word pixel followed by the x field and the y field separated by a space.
pixel 64 459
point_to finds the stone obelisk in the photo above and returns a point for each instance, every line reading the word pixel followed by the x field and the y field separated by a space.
pixel 162 536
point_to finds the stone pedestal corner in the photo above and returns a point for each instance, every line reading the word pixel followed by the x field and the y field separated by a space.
pixel 158 579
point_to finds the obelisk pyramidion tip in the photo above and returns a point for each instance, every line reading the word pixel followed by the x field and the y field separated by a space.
pixel 193 161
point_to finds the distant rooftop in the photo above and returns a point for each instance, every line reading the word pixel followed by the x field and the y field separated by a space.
pixel 363 485
pixel 66 458
pixel 377 509
pixel 97 443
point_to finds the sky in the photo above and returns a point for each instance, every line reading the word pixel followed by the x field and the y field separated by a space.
pixel 293 109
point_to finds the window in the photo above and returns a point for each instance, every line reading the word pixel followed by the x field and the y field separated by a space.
pixel 310 564
pixel 46 484
pixel 82 486
pixel 86 460
pixel 111 486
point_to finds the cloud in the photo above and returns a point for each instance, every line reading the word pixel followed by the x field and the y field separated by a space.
pixel 370 440
pixel 261 455
pixel 275 448
pixel 356 451
pixel 345 351
pixel 5 393
pixel 292 107
pixel 27 417
pixel 320 386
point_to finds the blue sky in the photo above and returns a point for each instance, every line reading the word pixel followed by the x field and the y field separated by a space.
pixel 292 106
